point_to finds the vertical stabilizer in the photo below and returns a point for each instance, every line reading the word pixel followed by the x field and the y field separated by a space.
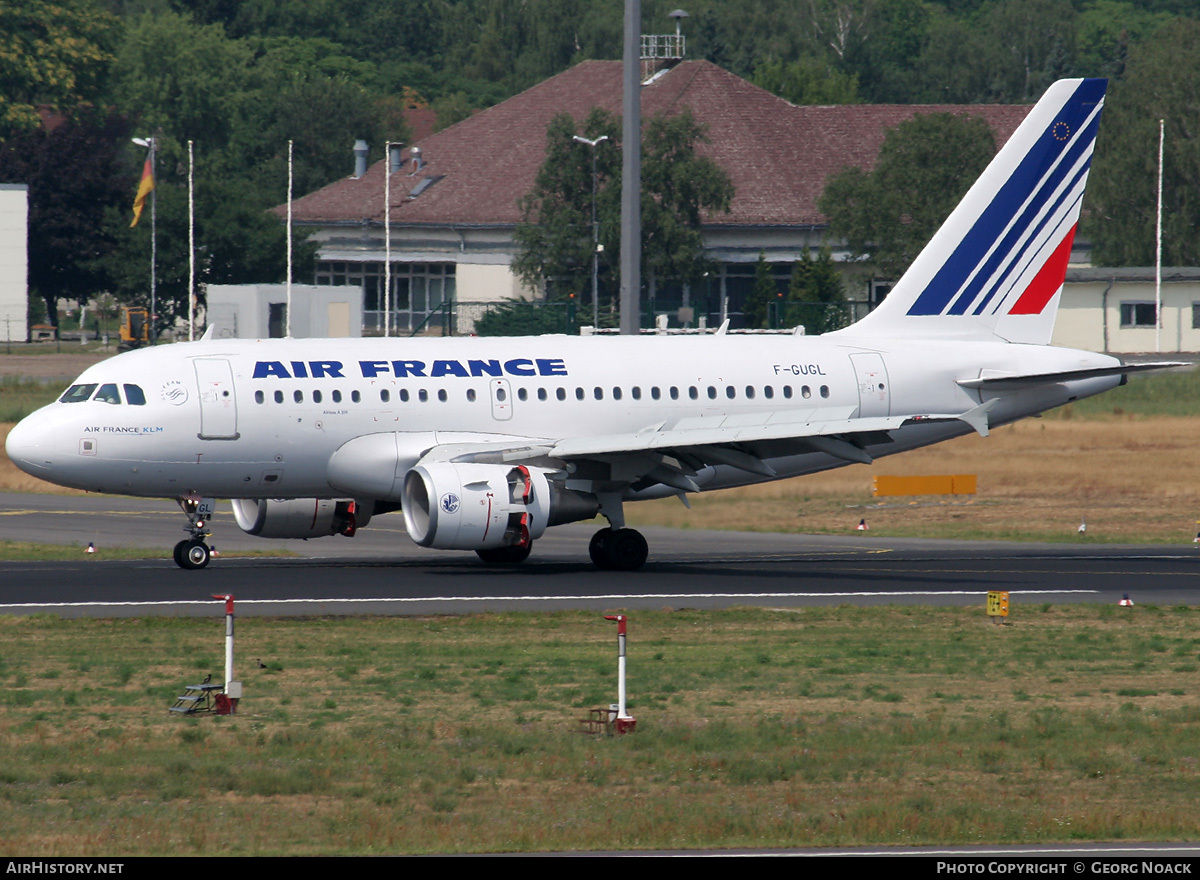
pixel 996 266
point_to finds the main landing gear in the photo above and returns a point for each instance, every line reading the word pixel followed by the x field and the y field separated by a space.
pixel 618 549
pixel 194 552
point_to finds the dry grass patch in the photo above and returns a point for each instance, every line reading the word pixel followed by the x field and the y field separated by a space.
pixel 1134 479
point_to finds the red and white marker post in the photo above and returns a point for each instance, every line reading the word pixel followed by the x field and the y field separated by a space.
pixel 624 723
pixel 227 702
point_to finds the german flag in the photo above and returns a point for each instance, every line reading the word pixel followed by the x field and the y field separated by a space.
pixel 144 190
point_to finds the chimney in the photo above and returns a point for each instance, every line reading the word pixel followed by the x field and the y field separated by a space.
pixel 394 157
pixel 417 161
pixel 360 158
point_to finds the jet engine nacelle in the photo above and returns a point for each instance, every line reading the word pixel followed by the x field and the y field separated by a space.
pixel 467 506
pixel 300 517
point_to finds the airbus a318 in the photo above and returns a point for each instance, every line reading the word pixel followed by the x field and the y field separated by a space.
pixel 484 443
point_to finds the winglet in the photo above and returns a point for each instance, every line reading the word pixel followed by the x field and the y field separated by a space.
pixel 723 329
pixel 208 332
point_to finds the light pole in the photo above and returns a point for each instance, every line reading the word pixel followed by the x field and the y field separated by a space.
pixel 151 144
pixel 595 230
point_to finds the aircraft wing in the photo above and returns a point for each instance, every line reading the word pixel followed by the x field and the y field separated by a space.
pixel 670 452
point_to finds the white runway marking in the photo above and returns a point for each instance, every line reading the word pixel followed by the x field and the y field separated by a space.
pixel 607 597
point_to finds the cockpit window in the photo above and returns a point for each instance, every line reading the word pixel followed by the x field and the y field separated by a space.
pixel 134 395
pixel 108 394
pixel 77 393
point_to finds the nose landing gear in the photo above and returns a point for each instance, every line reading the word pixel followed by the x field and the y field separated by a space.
pixel 194 552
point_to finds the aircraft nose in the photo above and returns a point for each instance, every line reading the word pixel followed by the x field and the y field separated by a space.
pixel 28 448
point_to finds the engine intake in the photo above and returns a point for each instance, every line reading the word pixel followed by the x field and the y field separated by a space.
pixel 468 506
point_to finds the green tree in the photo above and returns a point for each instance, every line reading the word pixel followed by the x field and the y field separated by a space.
pixel 816 295
pixel 806 82
pixel 678 187
pixel 52 52
pixel 75 173
pixel 925 166
pixel 555 235
pixel 181 81
pixel 762 307
pixel 1162 81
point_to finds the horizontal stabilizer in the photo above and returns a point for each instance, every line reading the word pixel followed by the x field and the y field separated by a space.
pixel 1031 380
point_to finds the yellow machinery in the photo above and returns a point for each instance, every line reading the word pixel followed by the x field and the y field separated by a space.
pixel 135 327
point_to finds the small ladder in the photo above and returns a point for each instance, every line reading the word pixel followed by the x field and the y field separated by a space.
pixel 196 698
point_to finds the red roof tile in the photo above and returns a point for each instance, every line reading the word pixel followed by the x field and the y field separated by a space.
pixel 778 155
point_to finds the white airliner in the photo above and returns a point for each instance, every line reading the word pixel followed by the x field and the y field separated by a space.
pixel 484 443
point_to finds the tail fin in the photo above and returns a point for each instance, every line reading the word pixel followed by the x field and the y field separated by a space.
pixel 996 266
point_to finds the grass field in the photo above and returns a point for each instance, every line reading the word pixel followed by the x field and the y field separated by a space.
pixel 823 727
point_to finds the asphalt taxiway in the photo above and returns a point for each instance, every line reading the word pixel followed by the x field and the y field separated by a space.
pixel 380 571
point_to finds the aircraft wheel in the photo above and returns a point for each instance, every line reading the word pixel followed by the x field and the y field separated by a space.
pixel 505 555
pixel 180 549
pixel 598 549
pixel 627 550
pixel 195 554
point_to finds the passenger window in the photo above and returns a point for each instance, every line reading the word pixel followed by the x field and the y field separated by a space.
pixel 749 392
pixel 423 396
pixel 259 397
pixel 279 397
pixel 824 390
pixel 768 392
pixel 316 397
pixel 78 393
pixel 442 395
pixel 693 392
pixel 470 395
pixel 541 394
pixel 299 396
pixel 355 396
pixel 560 393
pixel 108 394
pixel 598 393
pixel 712 392
pixel 787 391
pixel 636 392
pixel 616 394
pixel 655 392
pixel 730 392
pixel 805 392
pixel 337 397
pixel 385 395
pixel 675 393
pixel 135 397
pixel 404 395
pixel 579 394
pixel 522 394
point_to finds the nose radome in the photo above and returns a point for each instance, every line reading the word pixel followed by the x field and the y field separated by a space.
pixel 28 449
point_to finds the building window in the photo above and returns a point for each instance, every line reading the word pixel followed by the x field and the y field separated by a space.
pixel 1196 316
pixel 419 291
pixel 1137 314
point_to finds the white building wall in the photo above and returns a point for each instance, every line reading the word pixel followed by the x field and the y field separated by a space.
pixel 243 311
pixel 1091 317
pixel 14 262
pixel 488 282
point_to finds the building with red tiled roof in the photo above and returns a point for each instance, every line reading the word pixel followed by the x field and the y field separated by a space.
pixel 454 210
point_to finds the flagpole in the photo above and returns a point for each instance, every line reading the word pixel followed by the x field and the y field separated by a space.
pixel 153 244
pixel 1158 248
pixel 147 188
pixel 387 238
pixel 191 247
pixel 289 244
